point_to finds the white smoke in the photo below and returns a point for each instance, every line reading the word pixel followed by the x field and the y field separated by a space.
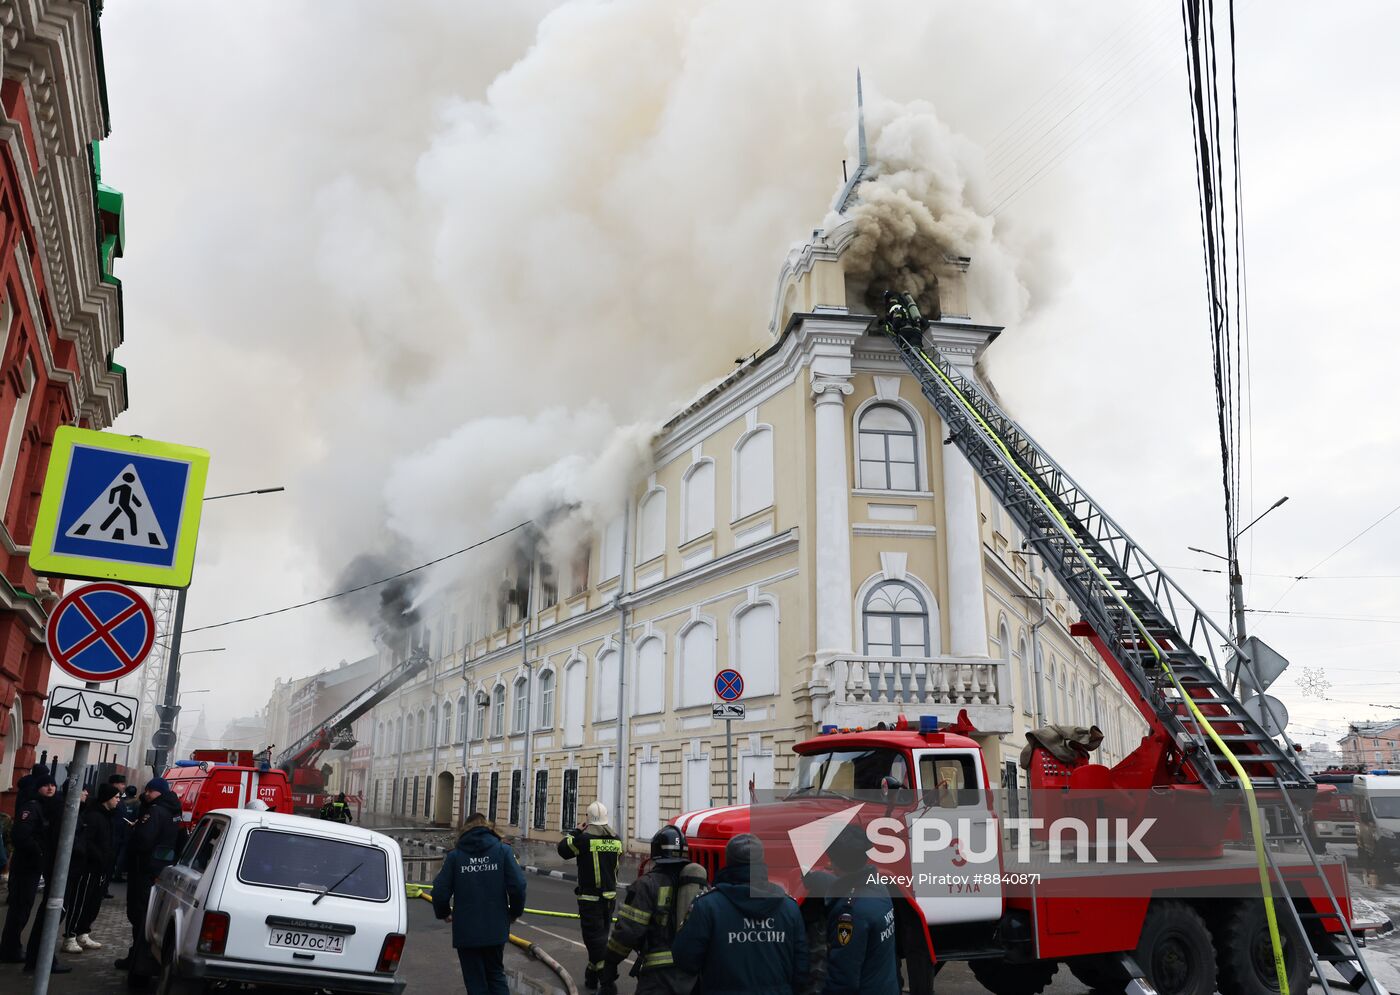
pixel 492 249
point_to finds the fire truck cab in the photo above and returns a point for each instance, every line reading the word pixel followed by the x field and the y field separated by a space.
pixel 204 785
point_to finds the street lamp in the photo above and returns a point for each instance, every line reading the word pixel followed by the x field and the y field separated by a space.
pixel 1237 578
pixel 164 738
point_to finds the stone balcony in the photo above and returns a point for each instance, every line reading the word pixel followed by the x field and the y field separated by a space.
pixel 862 690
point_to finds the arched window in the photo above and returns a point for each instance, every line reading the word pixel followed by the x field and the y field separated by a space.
pixel 697 666
pixel 888 447
pixel 411 733
pixel 1052 711
pixel 651 676
pixel 756 652
pixel 1060 681
pixel 461 718
pixel 378 743
pixel 398 734
pixel 498 710
pixel 895 621
pixel 753 473
pixel 546 699
pixel 479 718
pixel 1023 666
pixel 518 705
pixel 574 702
pixel 605 707
pixel 10 747
pixel 698 500
pixel 651 526
pixel 432 727
pixel 422 739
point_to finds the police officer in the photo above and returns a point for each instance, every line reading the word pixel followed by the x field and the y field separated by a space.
pixel 35 837
pixel 860 924
pixel 152 846
pixel 746 935
pixel 648 920
pixel 336 810
pixel 480 890
pixel 123 821
pixel 596 849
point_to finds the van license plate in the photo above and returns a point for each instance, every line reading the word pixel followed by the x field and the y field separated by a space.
pixel 296 939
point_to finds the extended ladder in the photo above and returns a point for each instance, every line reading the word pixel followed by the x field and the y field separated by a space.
pixel 1163 642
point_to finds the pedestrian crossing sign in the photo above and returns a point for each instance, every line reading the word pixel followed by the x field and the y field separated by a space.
pixel 119 507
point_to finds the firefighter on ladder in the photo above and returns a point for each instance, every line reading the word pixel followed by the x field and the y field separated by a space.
pixel 596 849
pixel 655 907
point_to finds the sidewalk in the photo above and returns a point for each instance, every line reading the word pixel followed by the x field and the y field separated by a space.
pixel 93 970
pixel 537 855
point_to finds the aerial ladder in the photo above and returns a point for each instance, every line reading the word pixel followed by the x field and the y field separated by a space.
pixel 301 760
pixel 1162 647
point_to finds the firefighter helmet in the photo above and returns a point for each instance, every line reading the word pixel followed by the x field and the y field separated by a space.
pixel 668 844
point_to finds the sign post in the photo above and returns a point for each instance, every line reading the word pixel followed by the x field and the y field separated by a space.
pixel 729 688
pixel 114 508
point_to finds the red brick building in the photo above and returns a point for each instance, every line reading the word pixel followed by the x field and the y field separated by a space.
pixel 60 313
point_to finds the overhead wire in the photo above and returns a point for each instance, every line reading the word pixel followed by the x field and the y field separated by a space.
pixel 361 587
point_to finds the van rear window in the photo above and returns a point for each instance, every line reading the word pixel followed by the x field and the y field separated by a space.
pixel 297 862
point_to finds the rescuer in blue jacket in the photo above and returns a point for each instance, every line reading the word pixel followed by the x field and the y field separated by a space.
pixel 860 923
pixel 745 936
pixel 481 882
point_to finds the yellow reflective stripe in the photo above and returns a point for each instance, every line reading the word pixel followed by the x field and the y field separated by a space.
pixel 585 897
pixel 635 915
pixel 609 895
pixel 658 958
pixel 621 949
pixel 1246 785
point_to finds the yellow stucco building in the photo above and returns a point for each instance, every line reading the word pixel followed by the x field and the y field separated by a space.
pixel 802 522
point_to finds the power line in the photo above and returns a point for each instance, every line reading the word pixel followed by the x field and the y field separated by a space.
pixel 362 587
pixel 1334 552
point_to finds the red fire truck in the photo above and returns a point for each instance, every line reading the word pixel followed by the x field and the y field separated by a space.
pixel 1239 901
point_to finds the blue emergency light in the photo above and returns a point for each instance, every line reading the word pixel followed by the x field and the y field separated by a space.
pixel 928 724
pixel 187 763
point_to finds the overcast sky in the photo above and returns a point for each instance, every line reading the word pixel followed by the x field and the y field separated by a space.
pixel 409 267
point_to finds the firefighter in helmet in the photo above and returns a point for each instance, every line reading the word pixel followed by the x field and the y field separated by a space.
pixel 596 848
pixel 336 810
pixel 654 909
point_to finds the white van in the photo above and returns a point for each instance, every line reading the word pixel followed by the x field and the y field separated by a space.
pixel 269 899
pixel 1377 800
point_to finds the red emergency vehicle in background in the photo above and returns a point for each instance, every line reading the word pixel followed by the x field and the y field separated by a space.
pixel 226 779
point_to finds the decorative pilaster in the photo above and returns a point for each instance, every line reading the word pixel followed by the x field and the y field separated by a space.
pixel 833 525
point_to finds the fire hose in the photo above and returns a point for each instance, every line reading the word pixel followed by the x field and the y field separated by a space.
pixel 532 950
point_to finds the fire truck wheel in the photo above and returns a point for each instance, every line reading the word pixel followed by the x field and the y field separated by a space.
pixel 1099 974
pixel 1175 950
pixel 1247 955
pixel 1001 978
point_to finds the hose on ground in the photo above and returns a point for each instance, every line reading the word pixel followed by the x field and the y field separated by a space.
pixel 425 892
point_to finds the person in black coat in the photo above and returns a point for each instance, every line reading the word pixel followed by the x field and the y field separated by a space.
pixel 123 821
pixel 87 876
pixel 481 891
pixel 154 844
pixel 29 836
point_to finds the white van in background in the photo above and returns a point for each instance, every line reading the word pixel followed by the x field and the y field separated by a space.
pixel 280 900
pixel 1377 800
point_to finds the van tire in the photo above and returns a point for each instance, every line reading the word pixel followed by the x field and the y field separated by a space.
pixel 168 981
pixel 1246 959
pixel 1001 978
pixel 1175 950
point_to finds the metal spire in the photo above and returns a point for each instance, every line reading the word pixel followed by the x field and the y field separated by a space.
pixel 847 192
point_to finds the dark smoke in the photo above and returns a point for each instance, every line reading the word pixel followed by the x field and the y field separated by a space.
pixel 388 608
